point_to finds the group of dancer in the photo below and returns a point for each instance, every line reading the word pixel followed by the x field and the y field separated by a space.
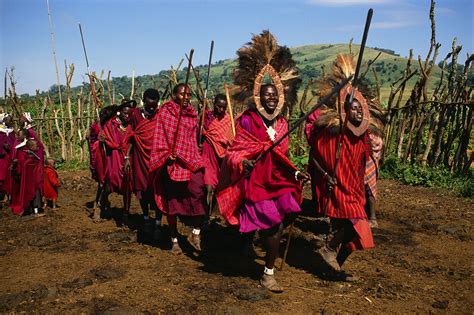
pixel 28 179
pixel 156 153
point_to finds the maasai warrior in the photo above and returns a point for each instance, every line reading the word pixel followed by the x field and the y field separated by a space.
pixel 340 192
pixel 51 182
pixel 27 175
pixel 140 142
pixel 262 195
pixel 114 136
pixel 97 160
pixel 218 135
pixel 177 165
pixel 7 142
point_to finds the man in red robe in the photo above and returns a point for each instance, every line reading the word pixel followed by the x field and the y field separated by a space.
pixel 97 158
pixel 51 182
pixel 340 194
pixel 27 176
pixel 7 141
pixel 218 136
pixel 177 165
pixel 140 142
pixel 263 195
pixel 114 136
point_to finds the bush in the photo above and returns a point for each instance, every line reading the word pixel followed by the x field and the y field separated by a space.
pixel 417 175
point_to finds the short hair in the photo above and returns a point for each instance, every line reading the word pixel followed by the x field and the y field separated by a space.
pixel 152 94
pixel 219 97
pixel 177 86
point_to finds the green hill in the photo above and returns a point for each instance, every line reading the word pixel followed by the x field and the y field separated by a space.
pixel 310 59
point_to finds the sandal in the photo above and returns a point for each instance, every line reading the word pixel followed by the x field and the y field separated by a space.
pixel 269 282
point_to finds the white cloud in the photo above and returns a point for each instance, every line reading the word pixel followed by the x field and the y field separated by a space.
pixel 337 3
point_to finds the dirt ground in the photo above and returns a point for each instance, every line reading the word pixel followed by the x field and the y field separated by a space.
pixel 65 263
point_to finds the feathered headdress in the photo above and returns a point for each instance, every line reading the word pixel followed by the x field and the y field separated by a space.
pixel 333 112
pixel 258 58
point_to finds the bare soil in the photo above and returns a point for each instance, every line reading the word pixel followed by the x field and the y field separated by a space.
pixel 65 263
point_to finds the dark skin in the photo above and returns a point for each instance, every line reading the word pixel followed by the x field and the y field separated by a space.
pixel 220 107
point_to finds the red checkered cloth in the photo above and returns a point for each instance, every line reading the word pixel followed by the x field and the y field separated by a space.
pixel 372 164
pixel 188 158
pixel 230 190
pixel 219 134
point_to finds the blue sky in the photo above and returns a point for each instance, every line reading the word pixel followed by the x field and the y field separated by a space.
pixel 148 36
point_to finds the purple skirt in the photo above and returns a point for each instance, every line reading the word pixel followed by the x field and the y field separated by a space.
pixel 265 214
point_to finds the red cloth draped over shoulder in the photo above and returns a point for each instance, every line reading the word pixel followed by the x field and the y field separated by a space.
pixel 27 181
pixel 7 142
pixel 186 150
pixel 348 197
pixel 114 137
pixel 188 158
pixel 219 134
pixel 272 177
pixel 141 136
pixel 51 183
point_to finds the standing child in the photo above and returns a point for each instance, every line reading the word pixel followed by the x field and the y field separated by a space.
pixel 51 183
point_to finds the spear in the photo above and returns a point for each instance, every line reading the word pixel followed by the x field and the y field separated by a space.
pixel 204 105
pixel 91 80
pixel 173 147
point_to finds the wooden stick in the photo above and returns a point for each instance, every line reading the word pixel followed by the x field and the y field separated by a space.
pixel 229 106
pixel 287 246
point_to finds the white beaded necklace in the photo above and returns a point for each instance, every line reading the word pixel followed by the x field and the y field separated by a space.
pixel 271 132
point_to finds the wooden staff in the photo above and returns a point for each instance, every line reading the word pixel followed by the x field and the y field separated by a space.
pixel 173 147
pixel 204 105
pixel 229 106
pixel 91 79
pixel 290 233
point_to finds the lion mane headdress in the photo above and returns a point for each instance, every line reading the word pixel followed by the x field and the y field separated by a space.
pixel 334 111
pixel 263 56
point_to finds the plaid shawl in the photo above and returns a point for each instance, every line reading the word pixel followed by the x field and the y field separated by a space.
pixel 219 134
pixel 188 158
pixel 141 133
pixel 230 191
pixel 372 164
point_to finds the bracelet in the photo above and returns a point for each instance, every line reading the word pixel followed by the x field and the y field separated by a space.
pixel 296 175
pixel 325 175
pixel 126 157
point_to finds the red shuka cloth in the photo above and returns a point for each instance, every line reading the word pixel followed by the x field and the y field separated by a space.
pixel 141 136
pixel 348 197
pixel 272 177
pixel 218 136
pixel 51 183
pixel 188 159
pixel 27 179
pixel 116 147
pixel 186 150
pixel 5 156
pixel 94 131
